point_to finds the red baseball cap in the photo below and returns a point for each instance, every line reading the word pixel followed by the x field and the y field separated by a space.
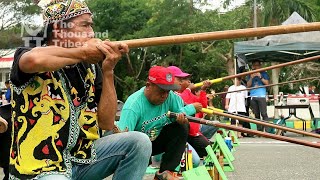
pixel 177 72
pixel 162 77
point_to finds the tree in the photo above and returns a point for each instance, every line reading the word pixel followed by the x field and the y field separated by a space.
pixel 122 19
pixel 12 13
pixel 274 12
pixel 150 18
pixel 10 38
pixel 316 7
pixel 205 60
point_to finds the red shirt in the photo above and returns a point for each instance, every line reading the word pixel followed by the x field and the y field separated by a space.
pixel 189 98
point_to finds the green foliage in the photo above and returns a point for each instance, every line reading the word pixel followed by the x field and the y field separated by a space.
pixel 276 11
pixel 315 4
pixel 13 12
pixel 140 19
pixel 10 38
pixel 120 18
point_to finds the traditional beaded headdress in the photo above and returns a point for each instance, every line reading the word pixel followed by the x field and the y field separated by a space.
pixel 60 10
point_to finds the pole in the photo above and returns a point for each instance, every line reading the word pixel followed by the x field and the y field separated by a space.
pixel 269 85
pixel 221 112
pixel 255 16
pixel 219 35
pixel 244 130
pixel 261 69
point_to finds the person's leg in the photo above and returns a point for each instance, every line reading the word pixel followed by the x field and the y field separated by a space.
pixel 5 144
pixel 172 141
pixel 195 157
pixel 256 111
pixel 54 177
pixel 156 161
pixel 6 173
pixel 255 107
pixel 199 143
pixel 208 131
pixel 244 124
pixel 233 122
pixel 239 133
pixel 263 110
pixel 125 155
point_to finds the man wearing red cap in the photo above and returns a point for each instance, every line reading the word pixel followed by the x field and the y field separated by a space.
pixel 196 139
pixel 146 110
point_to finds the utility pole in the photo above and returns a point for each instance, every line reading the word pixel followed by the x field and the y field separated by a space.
pixel 255 15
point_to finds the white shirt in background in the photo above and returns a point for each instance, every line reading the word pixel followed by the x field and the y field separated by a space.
pixel 237 99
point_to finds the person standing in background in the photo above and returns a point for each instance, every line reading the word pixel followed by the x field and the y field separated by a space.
pixel 313 90
pixel 236 102
pixel 258 96
pixel 7 95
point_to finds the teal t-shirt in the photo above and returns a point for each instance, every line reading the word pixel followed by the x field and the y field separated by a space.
pixel 138 114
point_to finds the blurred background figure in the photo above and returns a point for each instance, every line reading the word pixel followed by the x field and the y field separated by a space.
pixel 313 90
pixel 7 95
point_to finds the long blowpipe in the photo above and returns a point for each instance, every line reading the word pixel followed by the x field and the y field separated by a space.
pixel 244 130
pixel 261 69
pixel 220 112
pixel 269 85
pixel 219 35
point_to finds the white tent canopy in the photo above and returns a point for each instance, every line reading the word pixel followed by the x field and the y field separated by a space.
pixel 283 47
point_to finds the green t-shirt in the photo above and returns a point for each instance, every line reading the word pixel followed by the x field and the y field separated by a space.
pixel 138 114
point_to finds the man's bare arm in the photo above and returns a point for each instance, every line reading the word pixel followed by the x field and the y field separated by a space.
pixel 107 108
pixel 108 101
pixel 51 58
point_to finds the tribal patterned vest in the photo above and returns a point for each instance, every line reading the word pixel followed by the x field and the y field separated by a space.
pixel 52 126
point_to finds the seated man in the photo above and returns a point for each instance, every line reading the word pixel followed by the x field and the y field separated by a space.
pixel 60 99
pixel 145 111
pixel 195 138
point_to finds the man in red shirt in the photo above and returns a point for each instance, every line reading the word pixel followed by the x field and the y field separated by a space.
pixel 196 139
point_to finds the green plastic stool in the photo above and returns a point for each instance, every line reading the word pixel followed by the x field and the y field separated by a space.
pixel 199 173
pixel 253 126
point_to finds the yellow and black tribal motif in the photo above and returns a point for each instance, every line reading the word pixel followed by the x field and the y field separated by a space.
pixel 51 127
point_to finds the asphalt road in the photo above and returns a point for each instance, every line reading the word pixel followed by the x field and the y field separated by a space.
pixel 267 159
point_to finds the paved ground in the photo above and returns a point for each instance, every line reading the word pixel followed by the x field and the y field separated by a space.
pixel 266 159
